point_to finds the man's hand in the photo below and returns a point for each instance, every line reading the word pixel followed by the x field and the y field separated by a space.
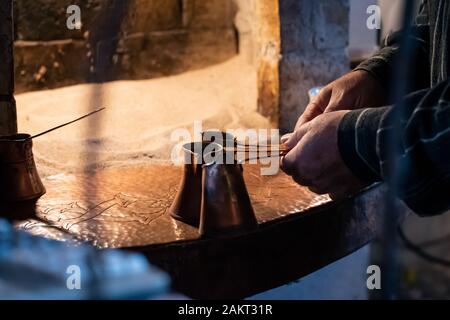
pixel 356 89
pixel 314 158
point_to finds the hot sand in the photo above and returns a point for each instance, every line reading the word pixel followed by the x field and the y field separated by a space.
pixel 141 115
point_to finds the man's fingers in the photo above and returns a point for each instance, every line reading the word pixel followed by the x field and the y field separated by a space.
pixel 332 106
pixel 287 163
pixel 296 136
pixel 285 137
pixel 290 163
pixel 316 190
pixel 335 104
pixel 311 111
pixel 315 107
pixel 301 180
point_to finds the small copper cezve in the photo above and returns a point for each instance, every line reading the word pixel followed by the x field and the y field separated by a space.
pixel 19 179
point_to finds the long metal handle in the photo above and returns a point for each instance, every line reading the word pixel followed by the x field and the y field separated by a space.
pixel 65 124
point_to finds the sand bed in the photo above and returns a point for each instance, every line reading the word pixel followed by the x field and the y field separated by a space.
pixel 141 115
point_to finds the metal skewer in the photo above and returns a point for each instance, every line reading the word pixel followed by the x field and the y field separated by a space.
pixel 280 154
pixel 65 124
pixel 267 147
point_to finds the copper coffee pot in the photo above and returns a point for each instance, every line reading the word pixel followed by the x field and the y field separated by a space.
pixel 19 179
pixel 226 205
pixel 187 202
pixel 212 193
pixel 186 206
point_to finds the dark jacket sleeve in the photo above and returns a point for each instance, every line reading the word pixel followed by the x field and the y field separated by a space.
pixel 422 143
pixel 380 65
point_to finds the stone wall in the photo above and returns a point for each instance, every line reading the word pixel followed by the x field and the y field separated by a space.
pixel 293 44
pixel 119 39
pixel 314 38
pixel 258 23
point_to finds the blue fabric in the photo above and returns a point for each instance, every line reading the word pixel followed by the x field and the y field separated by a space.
pixel 37 268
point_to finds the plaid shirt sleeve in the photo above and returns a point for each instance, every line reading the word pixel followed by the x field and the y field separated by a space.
pixel 422 144
pixel 422 139
pixel 380 65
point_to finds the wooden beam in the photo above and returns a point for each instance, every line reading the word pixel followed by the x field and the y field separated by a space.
pixel 8 117
pixel 268 19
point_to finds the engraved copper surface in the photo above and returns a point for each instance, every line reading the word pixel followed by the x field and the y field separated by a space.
pixel 130 205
